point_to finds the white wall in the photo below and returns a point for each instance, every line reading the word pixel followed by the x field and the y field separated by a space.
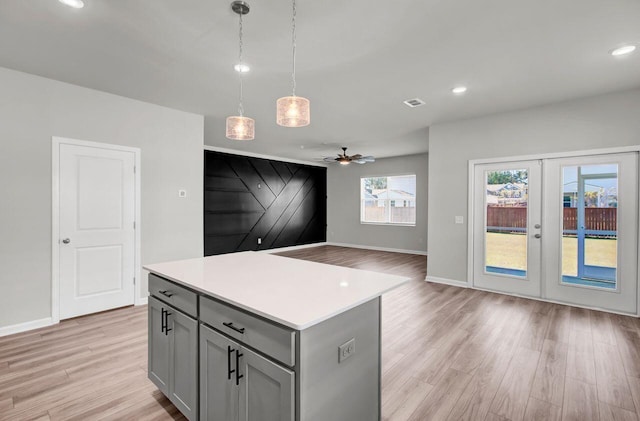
pixel 32 110
pixel 591 123
pixel 343 205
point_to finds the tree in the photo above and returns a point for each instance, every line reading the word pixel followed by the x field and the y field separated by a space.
pixel 505 177
pixel 375 183
pixel 591 199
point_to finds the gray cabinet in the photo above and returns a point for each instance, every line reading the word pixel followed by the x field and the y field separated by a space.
pixel 183 366
pixel 237 383
pixel 219 362
pixel 266 389
pixel 158 366
pixel 173 361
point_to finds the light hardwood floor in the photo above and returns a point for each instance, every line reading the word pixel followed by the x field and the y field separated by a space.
pixel 448 353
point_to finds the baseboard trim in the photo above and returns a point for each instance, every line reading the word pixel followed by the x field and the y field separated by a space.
pixel 446 281
pixel 462 284
pixel 142 301
pixel 391 250
pixel 23 327
pixel 546 300
pixel 290 248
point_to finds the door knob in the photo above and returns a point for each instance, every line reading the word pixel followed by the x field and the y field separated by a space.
pixel 537 226
pixel 537 235
pixel 66 241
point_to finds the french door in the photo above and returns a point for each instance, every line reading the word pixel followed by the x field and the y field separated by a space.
pixel 590 233
pixel 560 229
pixel 507 221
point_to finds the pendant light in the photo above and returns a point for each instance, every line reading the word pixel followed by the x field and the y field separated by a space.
pixel 240 127
pixel 293 111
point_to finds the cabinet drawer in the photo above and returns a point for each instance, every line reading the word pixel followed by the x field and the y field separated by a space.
pixel 276 341
pixel 174 294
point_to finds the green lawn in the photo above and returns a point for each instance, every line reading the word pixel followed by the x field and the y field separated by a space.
pixel 509 251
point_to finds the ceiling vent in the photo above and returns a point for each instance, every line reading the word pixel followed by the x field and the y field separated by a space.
pixel 415 102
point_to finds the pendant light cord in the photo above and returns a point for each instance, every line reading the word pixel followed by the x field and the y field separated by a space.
pixel 240 107
pixel 293 38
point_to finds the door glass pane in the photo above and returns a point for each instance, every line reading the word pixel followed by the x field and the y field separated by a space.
pixel 507 194
pixel 589 227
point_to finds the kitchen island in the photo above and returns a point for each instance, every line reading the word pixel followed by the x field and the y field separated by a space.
pixel 254 336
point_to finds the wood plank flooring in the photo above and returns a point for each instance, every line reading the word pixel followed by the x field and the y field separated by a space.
pixel 461 354
pixel 448 354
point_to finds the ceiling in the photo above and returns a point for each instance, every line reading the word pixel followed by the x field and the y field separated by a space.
pixel 357 61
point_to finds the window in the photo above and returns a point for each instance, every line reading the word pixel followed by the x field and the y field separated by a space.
pixel 388 200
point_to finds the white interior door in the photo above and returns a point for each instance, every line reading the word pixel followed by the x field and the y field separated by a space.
pixel 591 233
pixel 507 227
pixel 96 226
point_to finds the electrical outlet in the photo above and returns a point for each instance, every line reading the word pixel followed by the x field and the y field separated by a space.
pixel 459 219
pixel 347 349
pixel 259 240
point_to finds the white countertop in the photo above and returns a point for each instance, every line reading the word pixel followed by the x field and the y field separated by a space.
pixel 295 293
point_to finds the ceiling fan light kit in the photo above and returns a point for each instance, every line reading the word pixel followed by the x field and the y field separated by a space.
pixel 239 127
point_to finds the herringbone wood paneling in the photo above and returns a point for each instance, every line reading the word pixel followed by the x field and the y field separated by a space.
pixel 246 199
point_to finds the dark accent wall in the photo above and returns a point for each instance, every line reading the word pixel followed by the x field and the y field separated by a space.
pixel 246 199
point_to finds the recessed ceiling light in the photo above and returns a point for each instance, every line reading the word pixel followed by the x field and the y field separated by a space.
pixel 76 4
pixel 459 90
pixel 241 68
pixel 625 49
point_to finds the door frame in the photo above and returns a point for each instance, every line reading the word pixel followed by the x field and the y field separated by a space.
pixel 56 142
pixel 542 156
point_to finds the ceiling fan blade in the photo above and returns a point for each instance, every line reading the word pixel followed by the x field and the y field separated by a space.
pixel 343 158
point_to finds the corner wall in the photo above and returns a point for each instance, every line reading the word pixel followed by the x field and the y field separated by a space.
pixel 592 123
pixel 343 205
pixel 32 110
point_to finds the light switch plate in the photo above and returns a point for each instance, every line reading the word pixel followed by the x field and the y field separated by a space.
pixel 459 219
pixel 182 193
pixel 347 349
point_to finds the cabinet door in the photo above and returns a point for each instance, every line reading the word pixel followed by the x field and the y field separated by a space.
pixel 183 367
pixel 158 364
pixel 266 389
pixel 218 391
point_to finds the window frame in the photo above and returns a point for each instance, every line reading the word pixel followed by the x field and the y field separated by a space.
pixel 393 224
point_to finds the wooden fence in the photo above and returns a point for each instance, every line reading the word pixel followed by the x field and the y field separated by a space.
pixel 596 219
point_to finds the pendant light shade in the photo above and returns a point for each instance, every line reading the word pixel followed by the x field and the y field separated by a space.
pixel 240 127
pixel 293 111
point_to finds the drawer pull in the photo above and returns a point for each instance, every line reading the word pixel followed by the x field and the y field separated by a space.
pixel 232 327
pixel 166 293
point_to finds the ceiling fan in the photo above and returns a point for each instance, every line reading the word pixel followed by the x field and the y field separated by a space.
pixel 345 159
